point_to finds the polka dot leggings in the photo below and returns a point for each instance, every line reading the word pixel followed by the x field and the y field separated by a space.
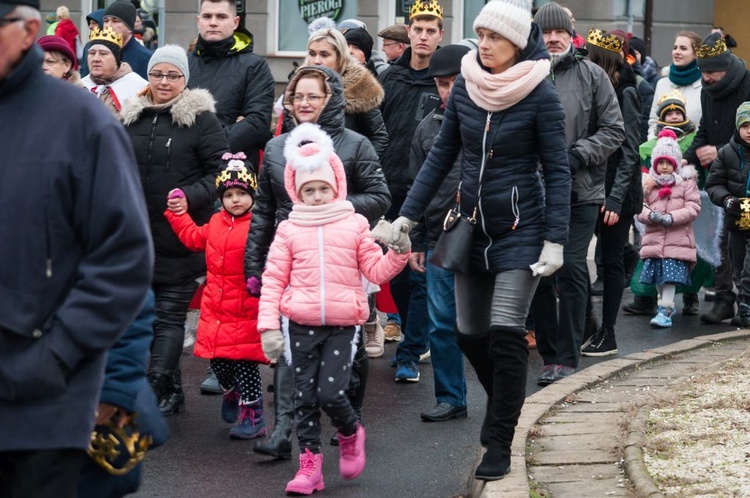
pixel 242 374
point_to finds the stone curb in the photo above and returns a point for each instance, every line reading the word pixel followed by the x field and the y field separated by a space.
pixel 516 484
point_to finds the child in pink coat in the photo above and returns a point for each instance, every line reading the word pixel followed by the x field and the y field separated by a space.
pixel 313 276
pixel 227 331
pixel 671 203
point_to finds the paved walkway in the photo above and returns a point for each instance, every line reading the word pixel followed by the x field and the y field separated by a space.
pixel 580 437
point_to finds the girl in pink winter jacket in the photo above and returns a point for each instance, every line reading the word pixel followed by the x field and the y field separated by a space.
pixel 671 202
pixel 313 277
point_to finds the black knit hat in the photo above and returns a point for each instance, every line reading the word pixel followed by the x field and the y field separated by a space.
pixel 236 174
pixel 713 54
pixel 8 6
pixel 361 39
pixel 552 16
pixel 447 60
pixel 124 11
pixel 638 45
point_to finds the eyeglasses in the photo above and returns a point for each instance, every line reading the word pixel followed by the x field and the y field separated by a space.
pixel 170 76
pixel 51 62
pixel 312 99
pixel 4 21
pixel 391 44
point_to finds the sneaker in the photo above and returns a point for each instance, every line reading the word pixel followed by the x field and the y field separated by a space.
pixel 601 344
pixel 424 357
pixel 531 339
pixel 211 384
pixel 250 424
pixel 407 371
pixel 663 318
pixel 393 332
pixel 552 373
pixel 309 477
pixel 374 339
pixel 230 406
pixel 352 453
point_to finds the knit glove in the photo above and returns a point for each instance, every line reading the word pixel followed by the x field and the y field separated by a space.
pixel 402 225
pixel 550 260
pixel 176 193
pixel 732 205
pixel 402 245
pixel 272 342
pixel 253 286
pixel 666 220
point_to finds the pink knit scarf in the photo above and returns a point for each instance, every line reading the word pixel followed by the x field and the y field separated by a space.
pixel 497 92
pixel 310 216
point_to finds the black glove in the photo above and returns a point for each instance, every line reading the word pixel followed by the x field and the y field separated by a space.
pixel 576 161
pixel 732 206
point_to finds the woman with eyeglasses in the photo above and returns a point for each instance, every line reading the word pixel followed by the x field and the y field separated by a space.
pixel 178 143
pixel 110 78
pixel 314 95
pixel 59 60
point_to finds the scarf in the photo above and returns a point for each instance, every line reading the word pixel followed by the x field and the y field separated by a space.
pixel 663 181
pixel 121 71
pixel 312 216
pixel 684 75
pixel 680 129
pixel 497 92
pixel 730 83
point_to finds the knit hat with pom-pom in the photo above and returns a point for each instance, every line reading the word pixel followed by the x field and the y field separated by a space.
pixel 667 148
pixel 310 157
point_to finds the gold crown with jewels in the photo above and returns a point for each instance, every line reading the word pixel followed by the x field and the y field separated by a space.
pixel 118 449
pixel 106 34
pixel 421 8
pixel 705 51
pixel 605 40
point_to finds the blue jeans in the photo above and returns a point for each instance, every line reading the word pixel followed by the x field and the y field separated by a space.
pixel 447 359
pixel 394 317
pixel 409 290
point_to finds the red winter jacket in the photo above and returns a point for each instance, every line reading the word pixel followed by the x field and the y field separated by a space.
pixel 67 30
pixel 229 315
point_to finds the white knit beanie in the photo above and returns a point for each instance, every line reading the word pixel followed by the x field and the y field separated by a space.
pixel 509 18
pixel 171 54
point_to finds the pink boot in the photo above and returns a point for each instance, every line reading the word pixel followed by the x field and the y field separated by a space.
pixel 309 477
pixel 352 453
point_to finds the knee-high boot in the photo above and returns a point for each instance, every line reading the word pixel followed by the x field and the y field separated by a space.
pixel 279 443
pixel 510 365
pixel 477 351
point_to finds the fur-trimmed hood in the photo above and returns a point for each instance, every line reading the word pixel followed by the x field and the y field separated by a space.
pixel 184 110
pixel 687 172
pixel 361 90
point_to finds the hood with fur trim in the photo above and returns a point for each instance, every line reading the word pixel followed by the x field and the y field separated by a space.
pixel 686 173
pixel 362 91
pixel 304 135
pixel 184 110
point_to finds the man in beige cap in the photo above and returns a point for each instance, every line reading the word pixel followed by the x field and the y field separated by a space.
pixel 395 40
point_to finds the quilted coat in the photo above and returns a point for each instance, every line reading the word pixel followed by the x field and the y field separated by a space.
pixel 227 327
pixel 684 204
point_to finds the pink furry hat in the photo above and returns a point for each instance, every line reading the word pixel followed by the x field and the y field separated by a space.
pixel 310 157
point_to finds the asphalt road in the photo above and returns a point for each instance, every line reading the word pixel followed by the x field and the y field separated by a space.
pixel 405 456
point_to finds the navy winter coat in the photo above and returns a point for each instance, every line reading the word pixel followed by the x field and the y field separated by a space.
pixel 516 211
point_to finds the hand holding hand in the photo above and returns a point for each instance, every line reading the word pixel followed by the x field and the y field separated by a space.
pixel 253 286
pixel 402 245
pixel 402 225
pixel 177 202
pixel 272 342
pixel 550 260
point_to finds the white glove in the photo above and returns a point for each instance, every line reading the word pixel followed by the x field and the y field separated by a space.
pixel 272 342
pixel 402 245
pixel 402 225
pixel 550 260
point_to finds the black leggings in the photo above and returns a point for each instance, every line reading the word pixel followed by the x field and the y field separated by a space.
pixel 172 303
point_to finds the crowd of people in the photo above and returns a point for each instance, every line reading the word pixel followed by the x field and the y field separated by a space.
pixel 456 189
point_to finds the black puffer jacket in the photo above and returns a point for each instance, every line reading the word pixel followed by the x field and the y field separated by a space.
pixel 517 211
pixel 622 182
pixel 365 183
pixel 177 147
pixel 407 102
pixel 730 176
pixel 719 103
pixel 242 84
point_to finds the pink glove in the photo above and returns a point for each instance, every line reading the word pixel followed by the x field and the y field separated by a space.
pixel 176 194
pixel 253 286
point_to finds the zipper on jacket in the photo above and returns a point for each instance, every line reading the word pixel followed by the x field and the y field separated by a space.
pixel 321 263
pixel 48 243
pixel 169 151
pixel 481 175
pixel 151 145
pixel 514 207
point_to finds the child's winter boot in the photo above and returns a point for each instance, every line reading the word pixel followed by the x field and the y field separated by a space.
pixel 230 406
pixel 250 423
pixel 663 318
pixel 309 477
pixel 352 453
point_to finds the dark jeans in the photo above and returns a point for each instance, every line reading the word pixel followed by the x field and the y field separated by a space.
pixel 559 327
pixel 40 473
pixel 739 256
pixel 172 303
pixel 409 291
pixel 613 239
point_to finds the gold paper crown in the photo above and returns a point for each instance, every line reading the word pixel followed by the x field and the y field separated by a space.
pixel 673 95
pixel 107 34
pixel 118 449
pixel 604 40
pixel 704 51
pixel 421 8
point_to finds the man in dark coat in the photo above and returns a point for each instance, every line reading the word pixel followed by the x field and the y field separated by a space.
pixel 726 84
pixel 120 16
pixel 76 256
pixel 223 63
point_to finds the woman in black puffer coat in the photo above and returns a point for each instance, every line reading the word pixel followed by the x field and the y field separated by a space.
pixel 178 145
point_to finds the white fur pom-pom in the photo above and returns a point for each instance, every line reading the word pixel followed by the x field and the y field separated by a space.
pixel 321 23
pixel 302 135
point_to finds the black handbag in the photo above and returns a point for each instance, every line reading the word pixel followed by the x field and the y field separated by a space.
pixel 453 249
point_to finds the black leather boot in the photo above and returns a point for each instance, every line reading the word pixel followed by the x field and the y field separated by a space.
pixel 173 399
pixel 723 309
pixel 279 443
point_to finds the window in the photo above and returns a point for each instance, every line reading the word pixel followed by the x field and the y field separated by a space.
pixel 295 15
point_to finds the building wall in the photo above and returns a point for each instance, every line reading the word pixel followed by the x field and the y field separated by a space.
pixel 733 16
